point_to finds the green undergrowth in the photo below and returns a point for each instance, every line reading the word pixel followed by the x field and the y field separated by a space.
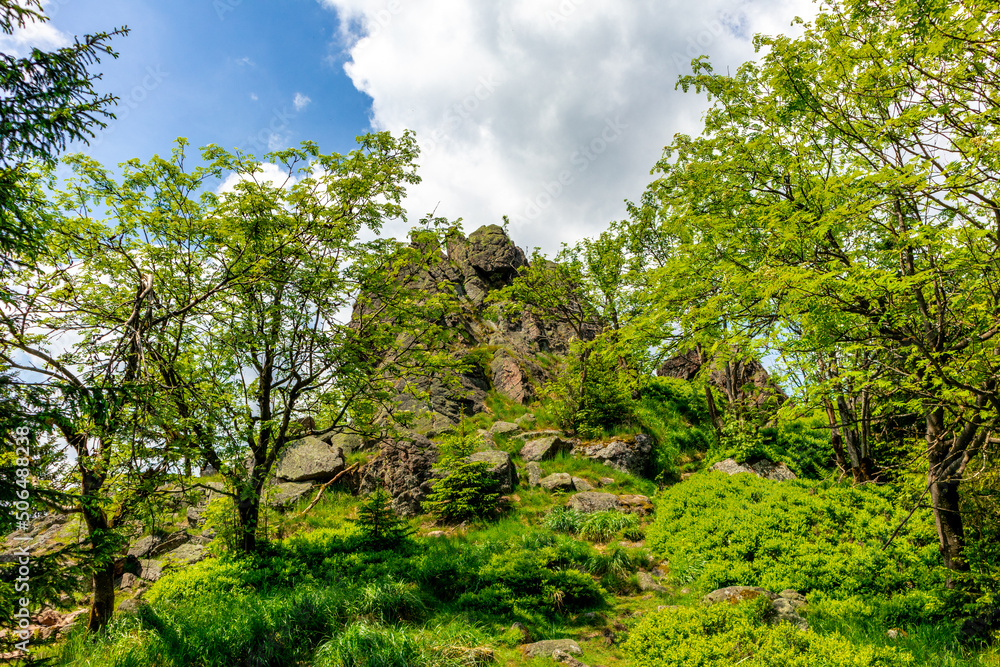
pixel 328 598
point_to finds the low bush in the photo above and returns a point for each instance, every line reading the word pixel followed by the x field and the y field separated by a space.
pixel 724 634
pixel 596 526
pixel 720 530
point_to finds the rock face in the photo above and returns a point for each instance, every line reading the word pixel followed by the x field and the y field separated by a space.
pixel 509 379
pixel 309 459
pixel 545 448
pixel 632 456
pixel 288 493
pixel 405 467
pixel 744 381
pixel 501 468
pixel 473 267
pixel 778 472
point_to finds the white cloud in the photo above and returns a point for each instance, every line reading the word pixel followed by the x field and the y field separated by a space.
pixel 253 96
pixel 269 173
pixel 33 35
pixel 507 97
pixel 300 101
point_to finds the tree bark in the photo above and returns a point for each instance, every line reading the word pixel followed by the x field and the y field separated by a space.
pixel 103 605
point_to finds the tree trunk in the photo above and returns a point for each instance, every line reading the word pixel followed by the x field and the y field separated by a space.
pixel 836 440
pixel 249 514
pixel 948 519
pixel 103 605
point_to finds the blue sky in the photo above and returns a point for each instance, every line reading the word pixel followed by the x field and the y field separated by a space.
pixel 552 112
pixel 220 72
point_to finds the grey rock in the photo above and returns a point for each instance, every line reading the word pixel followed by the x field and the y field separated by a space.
pixel 594 501
pixel 286 494
pixel 503 428
pixel 185 555
pixel 559 481
pixel 629 455
pixel 501 468
pixel 526 420
pixel 193 515
pixel 130 606
pixel 527 436
pixel 737 593
pixel 309 459
pixel 777 472
pixel 128 581
pixel 581 484
pixel 152 570
pixel 525 634
pixel 545 648
pixel 605 481
pixel 647 583
pixel 152 546
pixel 348 443
pixel 636 504
pixel 544 448
pixel 534 473
pixel 562 656
pixel 785 610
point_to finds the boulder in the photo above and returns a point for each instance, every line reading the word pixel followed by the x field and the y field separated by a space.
pixel 287 494
pixel 737 593
pixel 593 501
pixel 508 379
pixel 629 455
pixel 152 546
pixel 647 583
pixel 503 428
pixel 637 504
pixel 545 448
pixel 348 443
pixel 763 468
pixel 786 610
pixel 559 481
pixel 309 459
pixel 501 468
pixel 605 481
pixel 565 658
pixel 581 484
pixel 534 472
pixel 545 648
pixel 185 555
pixel 405 468
pixel 526 420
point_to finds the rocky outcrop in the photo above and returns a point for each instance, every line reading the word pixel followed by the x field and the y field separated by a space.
pixel 763 468
pixel 405 468
pixel 743 380
pixel 545 448
pixel 628 455
pixel 472 268
pixel 508 378
pixel 309 459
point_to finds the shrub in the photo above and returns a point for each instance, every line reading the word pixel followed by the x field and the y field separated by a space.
pixel 721 530
pixel 379 525
pixel 388 601
pixel 468 491
pixel 723 634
